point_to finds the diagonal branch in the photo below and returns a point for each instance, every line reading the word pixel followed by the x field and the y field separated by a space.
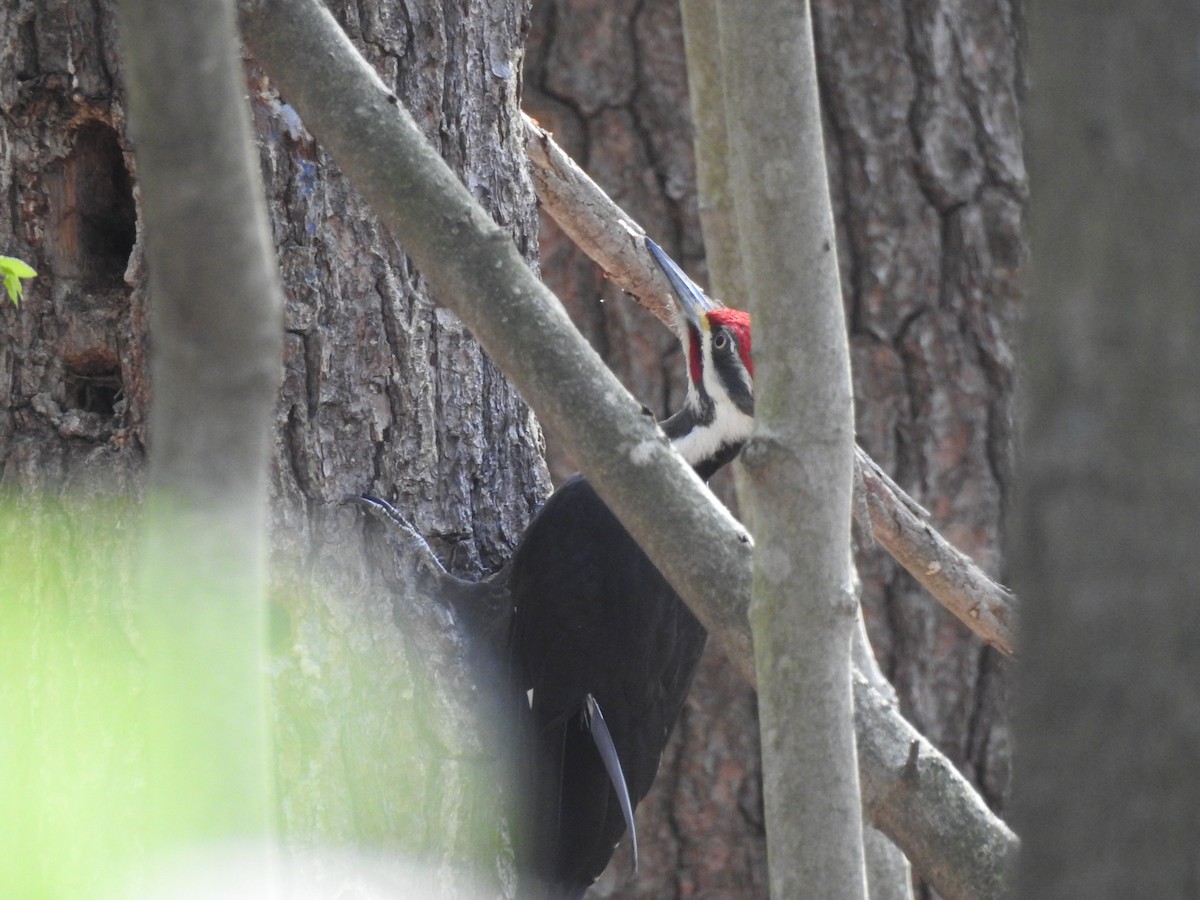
pixel 903 528
pixel 601 229
pixel 591 219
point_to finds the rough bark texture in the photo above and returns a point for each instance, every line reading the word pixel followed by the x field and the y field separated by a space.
pixel 383 392
pixel 928 185
pixel 73 397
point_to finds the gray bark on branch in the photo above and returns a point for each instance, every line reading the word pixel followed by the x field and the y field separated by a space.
pixel 797 474
pixel 476 270
pixel 596 223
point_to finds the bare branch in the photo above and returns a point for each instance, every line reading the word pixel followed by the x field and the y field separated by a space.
pixel 601 229
pixel 796 483
pixel 216 308
pixel 604 230
pixel 914 795
pixel 706 94
pixel 889 874
pixel 903 528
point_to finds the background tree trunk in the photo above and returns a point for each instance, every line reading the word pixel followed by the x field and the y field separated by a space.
pixel 1105 527
pixel 923 145
pixel 383 392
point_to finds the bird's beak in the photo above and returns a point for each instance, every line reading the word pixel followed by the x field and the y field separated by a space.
pixel 692 300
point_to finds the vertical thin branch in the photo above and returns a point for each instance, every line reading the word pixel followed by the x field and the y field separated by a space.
pixel 706 92
pixel 889 875
pixel 799 467
pixel 216 330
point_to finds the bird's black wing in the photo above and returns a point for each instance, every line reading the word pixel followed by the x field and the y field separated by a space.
pixel 593 616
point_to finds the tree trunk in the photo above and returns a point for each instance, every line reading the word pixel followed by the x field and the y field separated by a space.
pixel 383 392
pixel 1107 519
pixel 923 146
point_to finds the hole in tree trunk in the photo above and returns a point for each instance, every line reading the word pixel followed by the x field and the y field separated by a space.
pixel 92 382
pixel 92 200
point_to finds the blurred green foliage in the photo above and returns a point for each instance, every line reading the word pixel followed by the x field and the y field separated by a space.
pixel 71 738
pixel 125 729
pixel 109 758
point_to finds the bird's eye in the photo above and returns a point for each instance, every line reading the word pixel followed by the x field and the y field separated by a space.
pixel 720 340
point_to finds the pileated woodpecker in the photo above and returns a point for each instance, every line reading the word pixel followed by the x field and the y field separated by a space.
pixel 601 643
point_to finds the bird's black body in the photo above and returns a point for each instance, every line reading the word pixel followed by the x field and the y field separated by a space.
pixel 596 625
pixel 594 616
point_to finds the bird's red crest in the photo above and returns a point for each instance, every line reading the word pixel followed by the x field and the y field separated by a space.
pixel 739 323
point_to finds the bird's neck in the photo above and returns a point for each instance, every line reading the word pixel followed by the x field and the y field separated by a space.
pixel 704 436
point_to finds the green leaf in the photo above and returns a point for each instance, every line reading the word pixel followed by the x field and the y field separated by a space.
pixel 14 270
pixel 10 265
